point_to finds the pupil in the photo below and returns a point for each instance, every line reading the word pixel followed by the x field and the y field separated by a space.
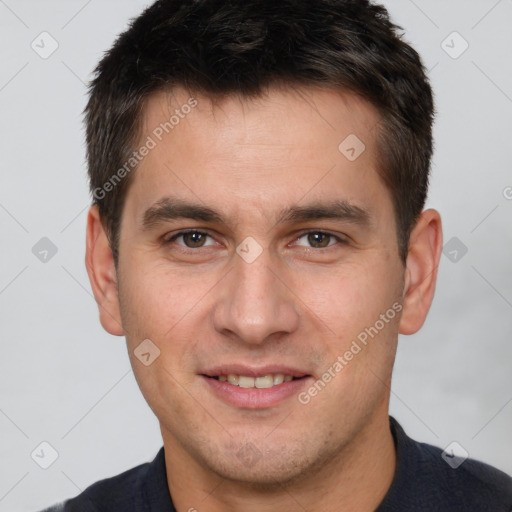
pixel 318 239
pixel 194 239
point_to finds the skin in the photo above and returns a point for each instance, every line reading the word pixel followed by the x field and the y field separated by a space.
pixel 301 302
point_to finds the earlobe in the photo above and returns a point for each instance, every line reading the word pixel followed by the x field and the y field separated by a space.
pixel 425 247
pixel 99 262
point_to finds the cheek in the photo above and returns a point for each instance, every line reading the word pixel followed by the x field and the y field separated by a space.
pixel 157 306
pixel 154 301
pixel 349 297
pixel 170 308
pixel 359 312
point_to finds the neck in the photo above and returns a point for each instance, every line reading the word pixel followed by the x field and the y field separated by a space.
pixel 355 479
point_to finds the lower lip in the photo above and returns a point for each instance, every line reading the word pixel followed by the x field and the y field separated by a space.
pixel 255 398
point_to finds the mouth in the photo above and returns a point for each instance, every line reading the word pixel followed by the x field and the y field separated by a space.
pixel 255 388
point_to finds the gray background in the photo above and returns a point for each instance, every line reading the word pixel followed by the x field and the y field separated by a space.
pixel 65 381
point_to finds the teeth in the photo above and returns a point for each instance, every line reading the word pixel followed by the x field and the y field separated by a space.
pixel 278 379
pixel 245 382
pixel 263 382
pixel 267 381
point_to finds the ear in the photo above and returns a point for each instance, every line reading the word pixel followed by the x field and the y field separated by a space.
pixel 425 245
pixel 99 262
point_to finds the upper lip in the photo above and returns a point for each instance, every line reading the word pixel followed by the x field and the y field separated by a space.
pixel 254 371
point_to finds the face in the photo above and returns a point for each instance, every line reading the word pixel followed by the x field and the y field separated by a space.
pixel 260 258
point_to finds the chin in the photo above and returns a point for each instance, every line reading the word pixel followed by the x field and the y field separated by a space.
pixel 266 467
pixel 262 476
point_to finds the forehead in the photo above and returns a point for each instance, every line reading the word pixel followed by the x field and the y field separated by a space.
pixel 267 151
pixel 315 112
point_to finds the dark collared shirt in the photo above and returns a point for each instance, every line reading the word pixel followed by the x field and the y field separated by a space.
pixel 423 482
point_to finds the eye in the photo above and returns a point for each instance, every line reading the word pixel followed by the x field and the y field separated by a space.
pixel 191 239
pixel 318 239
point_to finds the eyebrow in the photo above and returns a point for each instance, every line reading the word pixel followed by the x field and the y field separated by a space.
pixel 167 209
pixel 340 210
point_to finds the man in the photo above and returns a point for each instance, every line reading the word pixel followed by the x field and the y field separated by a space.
pixel 259 171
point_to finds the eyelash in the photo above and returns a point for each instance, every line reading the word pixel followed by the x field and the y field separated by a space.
pixel 167 241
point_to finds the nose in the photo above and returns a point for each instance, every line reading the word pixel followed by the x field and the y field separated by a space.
pixel 255 302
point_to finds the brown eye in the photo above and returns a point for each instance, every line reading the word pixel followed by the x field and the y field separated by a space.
pixel 194 239
pixel 319 240
pixel 191 239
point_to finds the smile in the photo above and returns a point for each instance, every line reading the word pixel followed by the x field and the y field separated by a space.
pixel 261 390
